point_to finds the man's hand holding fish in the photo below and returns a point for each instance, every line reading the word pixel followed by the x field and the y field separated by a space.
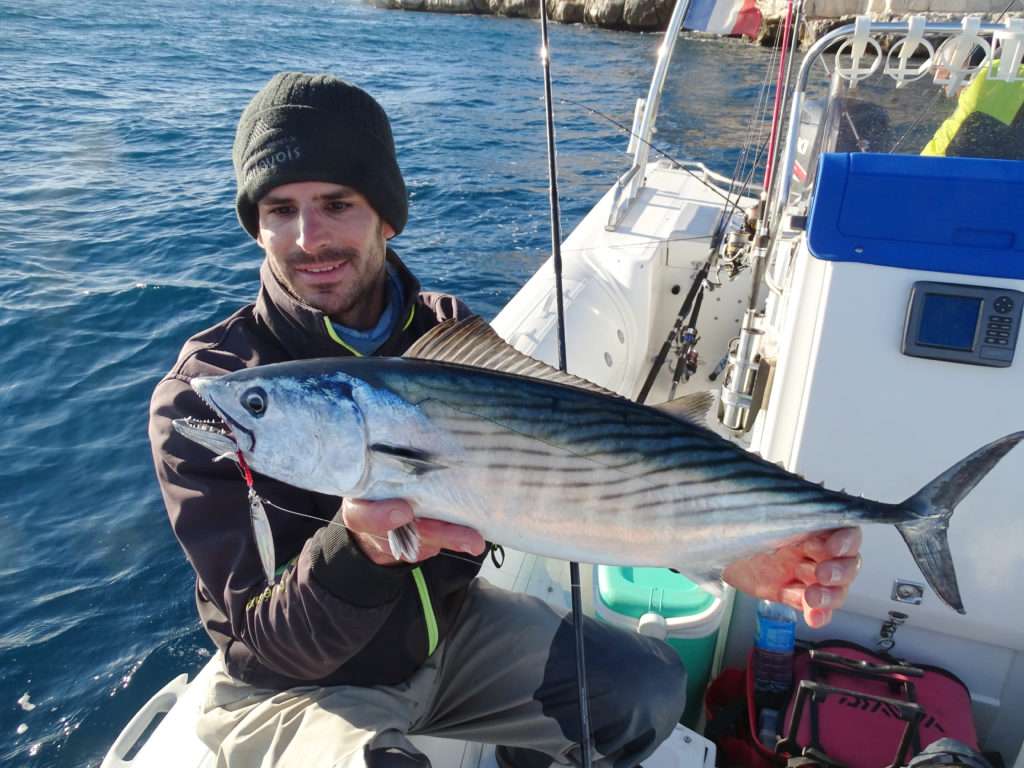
pixel 812 574
pixel 370 522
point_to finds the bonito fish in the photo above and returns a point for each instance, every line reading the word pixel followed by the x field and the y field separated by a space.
pixel 470 431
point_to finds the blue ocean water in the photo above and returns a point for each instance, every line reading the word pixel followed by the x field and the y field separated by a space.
pixel 118 240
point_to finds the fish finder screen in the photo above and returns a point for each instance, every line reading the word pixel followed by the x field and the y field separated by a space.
pixel 949 321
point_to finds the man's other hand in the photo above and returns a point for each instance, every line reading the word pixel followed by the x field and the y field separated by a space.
pixel 812 574
pixel 370 521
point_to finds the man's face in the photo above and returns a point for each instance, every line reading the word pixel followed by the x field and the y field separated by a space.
pixel 327 245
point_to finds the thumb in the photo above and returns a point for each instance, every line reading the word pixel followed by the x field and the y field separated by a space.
pixel 375 517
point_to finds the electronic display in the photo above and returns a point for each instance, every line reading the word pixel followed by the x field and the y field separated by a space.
pixel 949 321
pixel 962 323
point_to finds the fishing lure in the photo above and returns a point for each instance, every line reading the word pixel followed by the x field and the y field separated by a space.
pixel 261 531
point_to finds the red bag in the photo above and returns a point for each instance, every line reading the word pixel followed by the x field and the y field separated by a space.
pixel 850 708
pixel 857 708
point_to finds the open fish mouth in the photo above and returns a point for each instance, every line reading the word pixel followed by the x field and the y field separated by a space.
pixel 209 433
pixel 221 434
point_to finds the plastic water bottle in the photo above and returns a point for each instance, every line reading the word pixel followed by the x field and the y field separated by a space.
pixel 774 640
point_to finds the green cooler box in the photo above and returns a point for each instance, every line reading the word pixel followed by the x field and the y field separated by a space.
pixel 666 605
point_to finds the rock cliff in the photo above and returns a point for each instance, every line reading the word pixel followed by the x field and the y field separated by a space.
pixel 637 15
pixel 649 15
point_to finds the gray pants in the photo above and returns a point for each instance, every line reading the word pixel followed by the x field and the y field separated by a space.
pixel 506 674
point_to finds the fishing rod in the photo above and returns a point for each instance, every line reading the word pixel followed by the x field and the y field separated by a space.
pixel 556 254
pixel 659 360
pixel 686 317
pixel 779 97
pixel 695 294
pixel 685 324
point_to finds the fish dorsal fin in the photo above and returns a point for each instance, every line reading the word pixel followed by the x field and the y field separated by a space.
pixel 693 407
pixel 474 343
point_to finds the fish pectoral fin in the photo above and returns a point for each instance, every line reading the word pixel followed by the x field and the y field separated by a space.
pixel 404 542
pixel 693 407
pixel 409 461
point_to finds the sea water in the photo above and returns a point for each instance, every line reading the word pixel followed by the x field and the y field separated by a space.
pixel 118 240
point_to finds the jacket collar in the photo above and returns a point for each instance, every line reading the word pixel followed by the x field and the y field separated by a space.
pixel 305 332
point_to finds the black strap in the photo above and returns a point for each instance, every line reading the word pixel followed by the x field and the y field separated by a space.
pixel 497 555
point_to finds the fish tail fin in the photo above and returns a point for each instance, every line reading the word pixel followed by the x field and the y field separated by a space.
pixel 930 510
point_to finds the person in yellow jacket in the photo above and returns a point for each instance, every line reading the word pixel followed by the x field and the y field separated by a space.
pixel 988 121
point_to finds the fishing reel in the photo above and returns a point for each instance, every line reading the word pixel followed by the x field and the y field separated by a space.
pixel 737 243
pixel 733 257
pixel 688 352
pixel 684 348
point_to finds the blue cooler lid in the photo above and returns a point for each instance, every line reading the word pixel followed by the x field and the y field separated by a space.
pixel 635 591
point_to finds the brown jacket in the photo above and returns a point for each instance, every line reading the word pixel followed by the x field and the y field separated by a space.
pixel 333 617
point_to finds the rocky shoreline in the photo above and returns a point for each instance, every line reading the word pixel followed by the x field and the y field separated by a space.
pixel 635 15
pixel 653 15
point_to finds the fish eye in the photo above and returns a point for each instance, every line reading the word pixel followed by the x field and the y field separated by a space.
pixel 254 400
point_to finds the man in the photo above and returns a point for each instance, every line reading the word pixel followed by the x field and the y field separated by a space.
pixel 349 649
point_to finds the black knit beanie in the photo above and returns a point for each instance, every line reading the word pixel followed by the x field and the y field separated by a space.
pixel 316 128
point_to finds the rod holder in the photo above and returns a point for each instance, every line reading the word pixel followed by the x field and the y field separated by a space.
pixel 740 375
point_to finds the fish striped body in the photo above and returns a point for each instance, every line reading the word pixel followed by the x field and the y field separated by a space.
pixel 576 475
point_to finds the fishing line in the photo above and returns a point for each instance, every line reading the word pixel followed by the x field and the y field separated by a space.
pixel 628 246
pixel 759 117
pixel 921 116
pixel 444 552
pixel 629 132
pixel 757 121
pixel 798 15
pixel 779 96
pixel 753 139
pixel 742 178
pixel 243 468
pixel 744 187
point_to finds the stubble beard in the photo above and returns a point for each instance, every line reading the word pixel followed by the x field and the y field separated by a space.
pixel 336 301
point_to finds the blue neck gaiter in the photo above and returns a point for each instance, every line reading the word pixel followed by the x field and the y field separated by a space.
pixel 369 341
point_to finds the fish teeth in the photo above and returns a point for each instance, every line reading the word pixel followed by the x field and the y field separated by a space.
pixel 215 426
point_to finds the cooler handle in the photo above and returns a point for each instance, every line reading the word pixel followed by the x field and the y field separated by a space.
pixel 859 665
